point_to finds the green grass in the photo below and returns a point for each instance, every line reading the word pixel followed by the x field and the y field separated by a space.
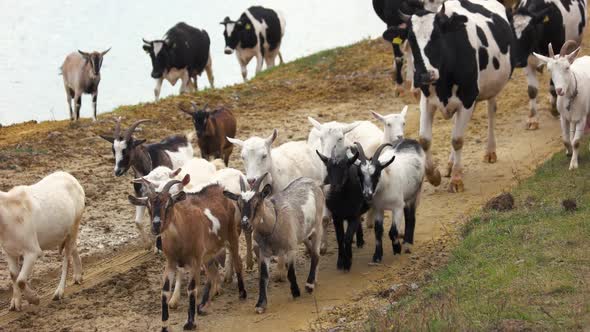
pixel 524 269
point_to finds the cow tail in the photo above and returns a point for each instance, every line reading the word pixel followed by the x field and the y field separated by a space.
pixel 281 62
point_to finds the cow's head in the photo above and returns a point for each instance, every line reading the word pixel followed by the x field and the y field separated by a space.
pixel 159 204
pixel 256 156
pixel 332 136
pixel 249 201
pixel 95 60
pixel 424 32
pixel 370 169
pixel 394 124
pixel 337 169
pixel 234 31
pixel 159 52
pixel 559 66
pixel 527 25
pixel 123 145
pixel 200 118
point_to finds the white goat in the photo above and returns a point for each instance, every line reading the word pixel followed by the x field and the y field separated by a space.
pixel 571 77
pixel 395 188
pixel 393 125
pixel 42 216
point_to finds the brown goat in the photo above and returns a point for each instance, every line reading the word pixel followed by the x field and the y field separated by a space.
pixel 194 228
pixel 213 128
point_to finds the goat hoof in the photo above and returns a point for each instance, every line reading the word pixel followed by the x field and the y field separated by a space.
pixel 189 326
pixel 309 288
pixel 243 295
pixel 58 295
pixel 295 292
pixel 164 329
pixel 201 310
pixel 340 265
pixel 533 125
pixel 397 248
pixel 78 279
pixel 490 157
pixel 360 243
pixel 15 305
pixel 173 304
pixel 260 310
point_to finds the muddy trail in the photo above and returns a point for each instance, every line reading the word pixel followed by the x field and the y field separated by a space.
pixel 122 281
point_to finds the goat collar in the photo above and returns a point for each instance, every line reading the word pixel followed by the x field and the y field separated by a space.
pixel 574 94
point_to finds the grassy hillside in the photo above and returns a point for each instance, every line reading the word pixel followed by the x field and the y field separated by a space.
pixel 526 269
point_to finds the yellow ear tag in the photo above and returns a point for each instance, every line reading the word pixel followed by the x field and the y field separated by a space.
pixel 397 41
pixel 248 26
pixel 546 19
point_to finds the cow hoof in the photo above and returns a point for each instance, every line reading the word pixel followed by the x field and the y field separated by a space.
pixel 407 248
pixel 532 125
pixel 309 287
pixel 490 157
pixel 397 248
pixel 456 186
pixel 189 326
pixel 260 310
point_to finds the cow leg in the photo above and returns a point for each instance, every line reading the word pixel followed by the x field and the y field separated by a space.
pixel 270 60
pixel 426 119
pixel 184 82
pixel 94 99
pixel 69 97
pixel 158 88
pixel 398 63
pixel 461 120
pixel 244 67
pixel 394 231
pixel 565 135
pixel 490 156
pixel 259 63
pixel 533 90
pixel 209 70
pixel 378 255
pixel 576 136
pixel 78 101
pixel 451 157
pixel 553 99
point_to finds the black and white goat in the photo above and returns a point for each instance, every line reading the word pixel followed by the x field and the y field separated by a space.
pixel 171 152
pixel 395 188
pixel 346 202
pixel 280 223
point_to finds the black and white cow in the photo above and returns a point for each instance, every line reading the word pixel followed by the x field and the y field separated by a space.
pixel 182 54
pixel 257 33
pixel 536 23
pixel 462 55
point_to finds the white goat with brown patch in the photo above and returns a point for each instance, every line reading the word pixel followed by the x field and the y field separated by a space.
pixel 42 216
pixel 280 223
pixel 81 74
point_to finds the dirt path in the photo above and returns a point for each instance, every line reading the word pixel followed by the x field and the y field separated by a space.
pixel 122 281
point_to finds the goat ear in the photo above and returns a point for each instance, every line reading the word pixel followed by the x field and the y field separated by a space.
pixel 230 195
pixel 147 48
pixel 387 162
pixel 572 56
pixel 266 191
pixel 314 123
pixel 175 173
pixel 272 137
pixel 353 159
pixel 350 127
pixel 235 141
pixel 109 139
pixel 404 111
pixel 378 116
pixel 542 58
pixel 84 54
pixel 138 142
pixel 186 179
pixel 181 196
pixel 322 157
pixel 137 201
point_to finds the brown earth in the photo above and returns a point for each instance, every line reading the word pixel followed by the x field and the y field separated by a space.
pixel 121 284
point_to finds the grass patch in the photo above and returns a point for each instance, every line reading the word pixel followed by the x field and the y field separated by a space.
pixel 524 269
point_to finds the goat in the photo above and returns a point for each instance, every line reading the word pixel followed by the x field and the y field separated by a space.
pixel 81 74
pixel 280 223
pixel 573 103
pixel 171 152
pixel 42 216
pixel 346 202
pixel 395 188
pixel 212 129
pixel 194 228
pixel 393 125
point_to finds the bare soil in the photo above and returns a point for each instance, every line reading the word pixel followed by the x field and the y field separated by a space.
pixel 121 288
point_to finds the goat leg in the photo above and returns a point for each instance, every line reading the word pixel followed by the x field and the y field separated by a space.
pixel 351 230
pixel 262 284
pixel 339 228
pixel 192 297
pixel 291 275
pixel 378 255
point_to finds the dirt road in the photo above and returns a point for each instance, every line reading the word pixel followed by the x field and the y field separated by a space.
pixel 122 281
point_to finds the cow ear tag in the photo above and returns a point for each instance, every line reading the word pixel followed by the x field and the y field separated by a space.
pixel 546 19
pixel 248 26
pixel 397 41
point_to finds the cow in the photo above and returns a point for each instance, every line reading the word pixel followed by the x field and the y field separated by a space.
pixel 257 33
pixel 182 54
pixel 536 23
pixel 462 55
pixel 81 74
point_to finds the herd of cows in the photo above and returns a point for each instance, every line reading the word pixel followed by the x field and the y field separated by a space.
pixel 458 52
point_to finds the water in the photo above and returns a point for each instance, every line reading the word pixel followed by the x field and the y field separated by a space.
pixel 38 34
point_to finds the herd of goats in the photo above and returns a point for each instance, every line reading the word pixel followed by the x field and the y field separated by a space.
pixel 287 195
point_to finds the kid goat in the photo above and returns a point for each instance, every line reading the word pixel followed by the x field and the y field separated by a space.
pixel 280 223
pixel 213 128
pixel 42 216
pixel 171 152
pixel 395 188
pixel 194 228
pixel 571 77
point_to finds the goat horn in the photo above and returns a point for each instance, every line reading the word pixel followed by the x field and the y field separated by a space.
pixel 258 182
pixel 132 128
pixel 194 105
pixel 117 121
pixel 361 152
pixel 379 149
pixel 566 47
pixel 242 184
pixel 186 111
pixel 146 184
pixel 550 50
pixel 169 185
